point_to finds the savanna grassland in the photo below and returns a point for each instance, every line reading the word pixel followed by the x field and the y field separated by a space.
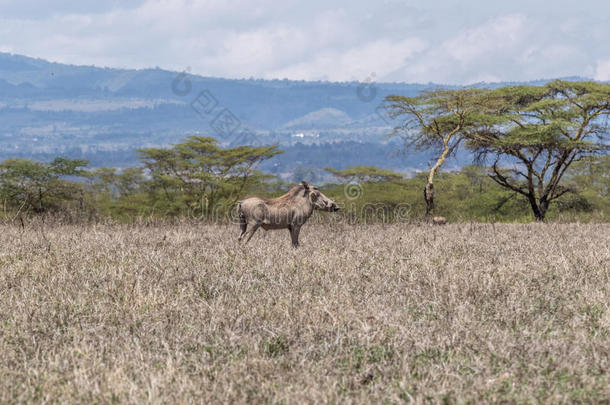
pixel 364 314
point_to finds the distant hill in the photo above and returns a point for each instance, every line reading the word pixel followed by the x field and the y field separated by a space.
pixel 105 114
pixel 322 118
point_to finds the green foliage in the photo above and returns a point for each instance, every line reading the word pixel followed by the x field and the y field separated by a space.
pixel 543 130
pixel 174 181
pixel 465 195
pixel 533 134
pixel 440 120
pixel 468 194
pixel 40 187
pixel 365 174
pixel 197 177
pixel 120 195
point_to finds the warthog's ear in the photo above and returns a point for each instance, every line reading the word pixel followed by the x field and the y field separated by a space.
pixel 304 183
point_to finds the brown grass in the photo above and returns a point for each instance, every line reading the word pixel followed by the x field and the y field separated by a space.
pixel 181 313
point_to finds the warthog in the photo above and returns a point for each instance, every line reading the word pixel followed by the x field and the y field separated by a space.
pixel 439 221
pixel 289 211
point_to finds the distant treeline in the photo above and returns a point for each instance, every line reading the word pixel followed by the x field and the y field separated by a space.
pixel 198 179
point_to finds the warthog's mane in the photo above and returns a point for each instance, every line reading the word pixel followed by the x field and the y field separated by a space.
pixel 292 194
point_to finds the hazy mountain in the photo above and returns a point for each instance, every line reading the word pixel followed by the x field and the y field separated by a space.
pixel 105 114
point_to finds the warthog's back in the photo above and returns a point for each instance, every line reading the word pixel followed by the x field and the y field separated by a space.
pixel 273 213
pixel 253 208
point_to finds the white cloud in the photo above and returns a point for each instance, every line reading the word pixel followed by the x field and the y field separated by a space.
pixel 602 70
pixel 512 47
pixel 449 42
pixel 381 57
pixel 495 36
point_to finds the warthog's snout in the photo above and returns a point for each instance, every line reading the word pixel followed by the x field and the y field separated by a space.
pixel 331 206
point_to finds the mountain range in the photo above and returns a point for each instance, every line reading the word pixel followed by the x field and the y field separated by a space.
pixel 105 114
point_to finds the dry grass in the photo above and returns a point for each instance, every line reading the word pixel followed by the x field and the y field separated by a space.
pixel 181 313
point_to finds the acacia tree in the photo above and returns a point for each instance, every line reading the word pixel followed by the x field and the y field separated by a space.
pixel 365 174
pixel 114 183
pixel 541 131
pixel 198 172
pixel 438 120
pixel 40 187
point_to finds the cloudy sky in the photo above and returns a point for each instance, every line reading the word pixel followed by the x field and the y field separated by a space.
pixel 450 41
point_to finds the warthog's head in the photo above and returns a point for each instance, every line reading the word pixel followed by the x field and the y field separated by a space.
pixel 318 199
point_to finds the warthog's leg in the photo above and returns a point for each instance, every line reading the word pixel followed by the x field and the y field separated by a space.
pixel 253 229
pixel 294 234
pixel 244 226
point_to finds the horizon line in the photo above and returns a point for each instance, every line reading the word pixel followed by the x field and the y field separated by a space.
pixel 187 71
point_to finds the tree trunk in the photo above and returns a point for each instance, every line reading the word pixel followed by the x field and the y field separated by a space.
pixel 40 209
pixel 429 190
pixel 543 207
pixel 538 211
pixel 429 197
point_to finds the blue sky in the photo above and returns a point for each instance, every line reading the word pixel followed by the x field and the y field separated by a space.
pixel 457 42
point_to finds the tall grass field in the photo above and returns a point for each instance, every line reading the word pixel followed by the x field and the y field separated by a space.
pixel 400 313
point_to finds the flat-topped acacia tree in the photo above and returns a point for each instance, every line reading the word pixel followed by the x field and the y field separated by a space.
pixel 540 132
pixel 439 120
pixel 365 174
pixel 199 172
pixel 40 186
